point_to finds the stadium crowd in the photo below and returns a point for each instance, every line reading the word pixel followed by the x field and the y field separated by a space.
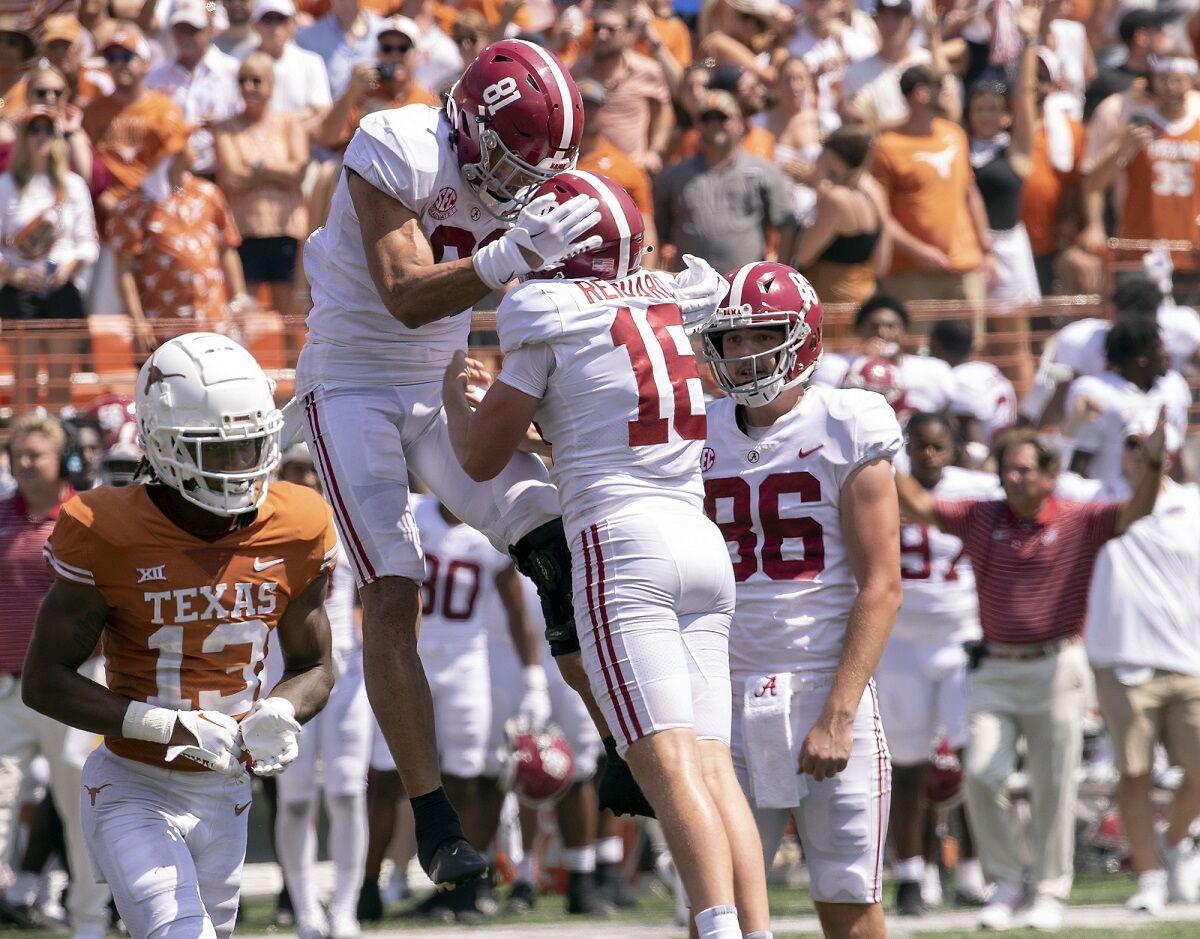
pixel 166 161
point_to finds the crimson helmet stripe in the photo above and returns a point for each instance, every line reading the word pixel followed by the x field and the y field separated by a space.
pixel 560 79
pixel 739 282
pixel 607 199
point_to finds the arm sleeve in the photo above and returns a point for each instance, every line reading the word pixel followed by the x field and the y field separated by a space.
pixel 954 517
pixel 81 227
pixel 403 166
pixel 68 551
pixel 528 369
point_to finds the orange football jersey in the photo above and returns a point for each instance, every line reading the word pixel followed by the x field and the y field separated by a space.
pixel 190 619
pixel 1162 197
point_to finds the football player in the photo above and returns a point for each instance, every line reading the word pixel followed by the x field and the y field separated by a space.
pixel 799 479
pixel 186 579
pixel 595 349
pixel 340 737
pixel 432 214
pixel 922 676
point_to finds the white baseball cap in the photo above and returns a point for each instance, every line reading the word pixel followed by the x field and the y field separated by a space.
pixel 189 12
pixel 263 7
pixel 402 25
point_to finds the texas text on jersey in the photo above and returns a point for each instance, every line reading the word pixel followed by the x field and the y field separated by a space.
pixel 190 619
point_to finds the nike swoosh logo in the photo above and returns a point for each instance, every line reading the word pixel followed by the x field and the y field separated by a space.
pixel 263 565
pixel 803 453
pixel 239 809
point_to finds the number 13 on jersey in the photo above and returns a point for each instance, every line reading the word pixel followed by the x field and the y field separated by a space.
pixel 665 365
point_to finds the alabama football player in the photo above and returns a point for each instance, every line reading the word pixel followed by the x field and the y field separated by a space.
pixel 595 350
pixel 433 213
pixel 186 579
pixel 340 739
pixel 922 676
pixel 799 479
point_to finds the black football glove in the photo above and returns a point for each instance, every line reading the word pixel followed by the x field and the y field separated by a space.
pixel 619 791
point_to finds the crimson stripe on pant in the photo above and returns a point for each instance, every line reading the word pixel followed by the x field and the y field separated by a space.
pixel 604 668
pixel 879 771
pixel 612 654
pixel 321 459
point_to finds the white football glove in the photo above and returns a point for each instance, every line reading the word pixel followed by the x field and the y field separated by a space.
pixel 544 228
pixel 698 291
pixel 534 710
pixel 269 735
pixel 217 747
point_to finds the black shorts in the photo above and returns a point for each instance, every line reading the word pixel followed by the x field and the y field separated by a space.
pixel 269 260
pixel 64 304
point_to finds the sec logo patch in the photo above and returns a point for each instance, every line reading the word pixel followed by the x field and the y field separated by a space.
pixel 708 456
pixel 445 205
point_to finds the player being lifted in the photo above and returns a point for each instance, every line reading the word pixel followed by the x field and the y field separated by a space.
pixel 185 579
pixel 430 216
pixel 799 479
pixel 588 346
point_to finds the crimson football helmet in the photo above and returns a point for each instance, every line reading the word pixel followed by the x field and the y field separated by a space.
pixel 114 413
pixel 943 781
pixel 763 295
pixel 517 119
pixel 539 766
pixel 621 228
pixel 883 377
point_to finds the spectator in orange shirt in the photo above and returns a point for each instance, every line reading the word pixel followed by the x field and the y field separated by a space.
pixel 636 115
pixel 176 246
pixel 62 44
pixel 751 97
pixel 387 83
pixel 130 127
pixel 598 155
pixel 939 225
pixel 667 30
pixel 16 51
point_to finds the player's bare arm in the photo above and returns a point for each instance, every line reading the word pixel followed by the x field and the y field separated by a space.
pixel 415 290
pixel 485 438
pixel 307 651
pixel 69 624
pixel 871 530
pixel 916 502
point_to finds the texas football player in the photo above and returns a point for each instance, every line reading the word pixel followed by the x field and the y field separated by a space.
pixel 588 344
pixel 186 579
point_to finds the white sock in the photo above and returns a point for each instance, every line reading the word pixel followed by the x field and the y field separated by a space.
pixel 931 886
pixel 910 869
pixel 579 860
pixel 968 876
pixel 760 934
pixel 527 869
pixel 347 850
pixel 718 922
pixel 296 843
pixel 610 850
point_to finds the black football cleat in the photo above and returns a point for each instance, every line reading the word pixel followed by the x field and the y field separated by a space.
pixel 522 897
pixel 370 901
pixel 908 899
pixel 455 862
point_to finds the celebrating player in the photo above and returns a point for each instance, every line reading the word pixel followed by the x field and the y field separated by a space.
pixel 429 217
pixel 185 579
pixel 799 479
pixel 587 352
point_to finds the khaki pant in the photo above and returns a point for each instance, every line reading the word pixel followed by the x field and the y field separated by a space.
pixel 938 285
pixel 24 733
pixel 1166 708
pixel 1042 701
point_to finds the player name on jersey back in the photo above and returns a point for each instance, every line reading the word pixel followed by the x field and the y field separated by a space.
pixel 622 401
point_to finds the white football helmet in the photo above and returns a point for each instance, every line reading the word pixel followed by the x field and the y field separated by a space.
pixel 208 423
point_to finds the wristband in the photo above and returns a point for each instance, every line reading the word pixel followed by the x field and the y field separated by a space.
pixel 500 262
pixel 533 677
pixel 145 722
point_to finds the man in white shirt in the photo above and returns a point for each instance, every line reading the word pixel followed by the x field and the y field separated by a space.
pixel 343 37
pixel 1143 640
pixel 871 86
pixel 201 79
pixel 301 83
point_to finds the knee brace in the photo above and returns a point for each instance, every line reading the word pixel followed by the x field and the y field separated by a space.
pixel 545 558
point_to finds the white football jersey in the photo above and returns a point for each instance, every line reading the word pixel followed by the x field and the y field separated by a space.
pixel 457 597
pixel 939 586
pixel 928 382
pixel 622 402
pixel 1080 345
pixel 406 154
pixel 1122 403
pixel 339 604
pixel 982 392
pixel 776 498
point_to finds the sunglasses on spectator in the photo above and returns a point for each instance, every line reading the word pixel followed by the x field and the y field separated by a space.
pixel 252 80
pixel 710 116
pixel 118 56
pixel 387 48
pixel 41 129
pixel 46 94
pixel 273 19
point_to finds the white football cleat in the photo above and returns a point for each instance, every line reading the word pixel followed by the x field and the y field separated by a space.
pixel 1044 914
pixel 999 913
pixel 1183 872
pixel 1151 894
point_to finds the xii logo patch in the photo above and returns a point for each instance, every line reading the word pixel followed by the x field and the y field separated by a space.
pixel 147 574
